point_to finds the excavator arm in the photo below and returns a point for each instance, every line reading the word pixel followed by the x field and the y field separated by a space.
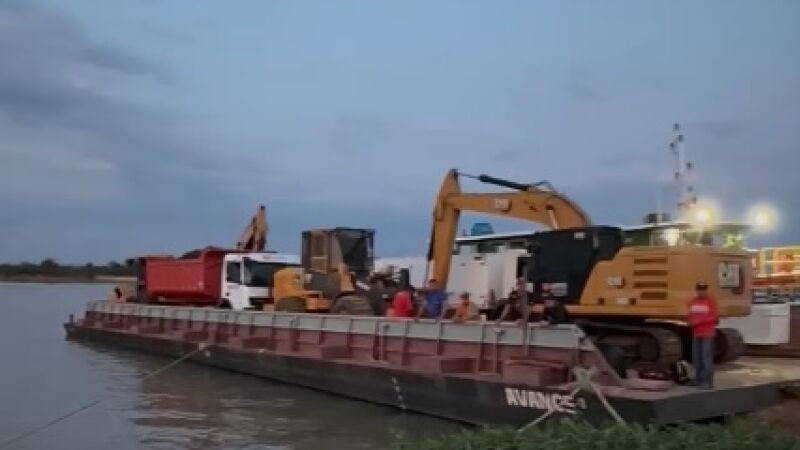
pixel 537 203
pixel 254 236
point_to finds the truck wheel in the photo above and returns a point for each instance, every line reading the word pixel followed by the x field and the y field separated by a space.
pixel 291 304
pixel 352 305
pixel 728 345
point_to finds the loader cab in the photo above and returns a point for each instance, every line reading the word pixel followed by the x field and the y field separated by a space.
pixel 325 249
pixel 560 262
pixel 248 278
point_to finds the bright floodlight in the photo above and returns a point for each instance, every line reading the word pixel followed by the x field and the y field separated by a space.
pixel 763 218
pixel 702 216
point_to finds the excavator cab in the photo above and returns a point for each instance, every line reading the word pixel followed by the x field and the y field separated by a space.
pixel 561 261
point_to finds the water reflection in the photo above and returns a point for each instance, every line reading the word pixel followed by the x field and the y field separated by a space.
pixel 195 407
pixel 188 406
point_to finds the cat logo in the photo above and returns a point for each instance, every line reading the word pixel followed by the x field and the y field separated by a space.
pixel 502 204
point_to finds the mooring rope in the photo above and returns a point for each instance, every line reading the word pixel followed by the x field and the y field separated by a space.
pixel 583 380
pixel 84 407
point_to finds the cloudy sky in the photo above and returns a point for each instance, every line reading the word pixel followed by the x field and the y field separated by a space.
pixel 144 126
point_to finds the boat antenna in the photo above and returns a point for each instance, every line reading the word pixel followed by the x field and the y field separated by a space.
pixel 685 194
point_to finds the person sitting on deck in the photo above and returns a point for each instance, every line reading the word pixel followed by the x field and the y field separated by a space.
pixel 402 304
pixel 554 313
pixel 465 310
pixel 435 301
pixel 518 304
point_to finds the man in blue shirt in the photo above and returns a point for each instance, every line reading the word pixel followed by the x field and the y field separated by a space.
pixel 435 301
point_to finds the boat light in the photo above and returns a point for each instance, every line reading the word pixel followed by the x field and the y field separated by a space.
pixel 763 218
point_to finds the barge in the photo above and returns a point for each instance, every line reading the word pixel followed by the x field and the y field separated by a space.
pixel 481 373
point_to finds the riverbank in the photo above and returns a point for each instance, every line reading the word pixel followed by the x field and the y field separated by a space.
pixel 65 279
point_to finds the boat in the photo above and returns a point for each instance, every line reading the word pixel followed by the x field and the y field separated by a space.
pixel 481 373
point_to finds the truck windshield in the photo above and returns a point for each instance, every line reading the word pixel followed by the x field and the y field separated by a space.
pixel 259 274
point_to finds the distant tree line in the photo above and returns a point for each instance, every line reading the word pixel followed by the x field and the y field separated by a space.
pixel 51 268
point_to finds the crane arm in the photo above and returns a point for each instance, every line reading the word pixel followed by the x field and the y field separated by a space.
pixel 254 236
pixel 537 203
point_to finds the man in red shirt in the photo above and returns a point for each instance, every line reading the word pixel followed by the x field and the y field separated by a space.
pixel 703 318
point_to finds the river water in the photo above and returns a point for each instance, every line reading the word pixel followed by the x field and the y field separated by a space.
pixel 43 376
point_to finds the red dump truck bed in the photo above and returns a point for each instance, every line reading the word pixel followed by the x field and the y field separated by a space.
pixel 187 280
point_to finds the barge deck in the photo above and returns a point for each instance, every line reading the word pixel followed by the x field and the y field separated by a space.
pixel 478 373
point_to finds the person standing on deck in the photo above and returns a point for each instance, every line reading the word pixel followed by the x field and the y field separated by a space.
pixel 435 301
pixel 703 318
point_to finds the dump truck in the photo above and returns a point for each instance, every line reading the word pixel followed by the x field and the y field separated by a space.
pixel 215 277
pixel 240 278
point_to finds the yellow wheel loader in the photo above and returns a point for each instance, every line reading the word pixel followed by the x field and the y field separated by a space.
pixel 336 276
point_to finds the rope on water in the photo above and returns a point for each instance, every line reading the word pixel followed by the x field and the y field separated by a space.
pixel 46 425
pixel 583 380
pixel 84 407
pixel 200 347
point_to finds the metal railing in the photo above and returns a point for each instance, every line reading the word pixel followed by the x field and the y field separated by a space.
pixel 552 336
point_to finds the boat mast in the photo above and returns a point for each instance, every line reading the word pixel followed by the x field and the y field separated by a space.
pixel 684 188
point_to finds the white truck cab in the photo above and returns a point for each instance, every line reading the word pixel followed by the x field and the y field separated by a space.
pixel 247 278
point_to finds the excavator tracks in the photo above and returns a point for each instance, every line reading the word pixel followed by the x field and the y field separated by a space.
pixel 647 344
pixel 728 345
pixel 657 344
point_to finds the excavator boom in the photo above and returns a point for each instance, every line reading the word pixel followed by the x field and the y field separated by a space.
pixel 537 203
pixel 254 236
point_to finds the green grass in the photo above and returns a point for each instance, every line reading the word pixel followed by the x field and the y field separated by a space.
pixel 739 435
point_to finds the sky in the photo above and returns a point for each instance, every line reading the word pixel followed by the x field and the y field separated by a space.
pixel 141 127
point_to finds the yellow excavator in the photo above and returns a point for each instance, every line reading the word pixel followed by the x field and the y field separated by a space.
pixel 631 300
pixel 254 236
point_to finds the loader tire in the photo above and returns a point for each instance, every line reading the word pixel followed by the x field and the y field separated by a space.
pixel 728 345
pixel 291 305
pixel 352 305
